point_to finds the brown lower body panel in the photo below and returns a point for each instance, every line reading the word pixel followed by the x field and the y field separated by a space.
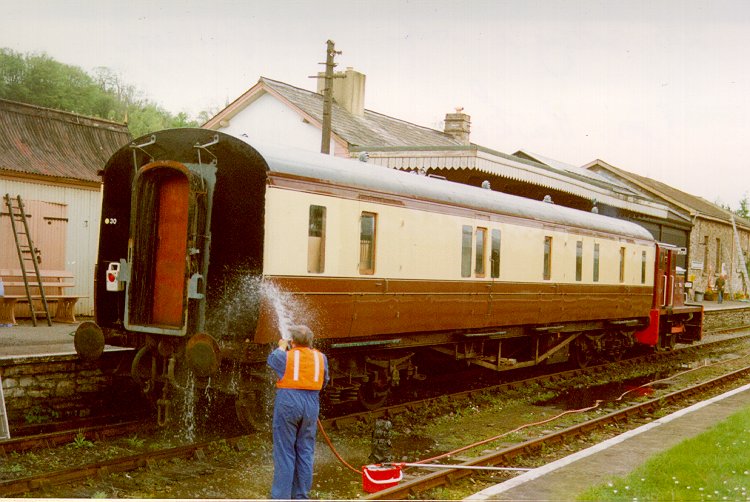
pixel 356 308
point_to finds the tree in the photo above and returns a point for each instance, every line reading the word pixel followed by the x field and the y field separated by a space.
pixel 744 210
pixel 39 80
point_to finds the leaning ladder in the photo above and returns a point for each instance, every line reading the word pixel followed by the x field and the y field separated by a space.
pixel 4 430
pixel 26 252
pixel 743 266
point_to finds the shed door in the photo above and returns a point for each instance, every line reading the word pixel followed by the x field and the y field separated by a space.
pixel 48 224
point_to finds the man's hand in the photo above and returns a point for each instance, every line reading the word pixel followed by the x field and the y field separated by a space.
pixel 283 344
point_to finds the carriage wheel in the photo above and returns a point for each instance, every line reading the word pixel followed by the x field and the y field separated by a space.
pixel 373 394
pixel 584 352
pixel 668 342
pixel 254 410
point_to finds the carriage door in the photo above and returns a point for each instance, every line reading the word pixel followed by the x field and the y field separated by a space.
pixel 162 215
pixel 665 277
pixel 171 242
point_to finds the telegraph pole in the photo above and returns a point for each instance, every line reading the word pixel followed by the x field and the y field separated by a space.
pixel 325 142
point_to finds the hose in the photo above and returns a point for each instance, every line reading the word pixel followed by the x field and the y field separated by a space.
pixel 330 445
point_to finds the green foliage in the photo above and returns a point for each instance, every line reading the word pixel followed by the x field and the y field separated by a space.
pixel 39 80
pixel 80 441
pixel 40 415
pixel 135 442
pixel 744 210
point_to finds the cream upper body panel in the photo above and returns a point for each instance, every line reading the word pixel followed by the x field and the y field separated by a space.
pixel 424 245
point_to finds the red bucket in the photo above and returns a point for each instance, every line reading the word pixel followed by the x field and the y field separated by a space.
pixel 376 477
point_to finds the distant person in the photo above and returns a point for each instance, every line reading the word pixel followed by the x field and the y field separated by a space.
pixel 302 372
pixel 721 282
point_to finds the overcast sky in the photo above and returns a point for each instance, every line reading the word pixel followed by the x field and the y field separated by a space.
pixel 659 88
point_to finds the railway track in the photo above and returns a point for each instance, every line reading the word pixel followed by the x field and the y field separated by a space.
pixel 509 457
pixel 32 483
pixel 98 432
pixel 610 367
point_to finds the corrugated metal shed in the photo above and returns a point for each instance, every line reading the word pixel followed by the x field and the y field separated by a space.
pixel 43 142
pixel 53 156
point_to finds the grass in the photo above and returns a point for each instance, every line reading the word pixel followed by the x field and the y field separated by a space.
pixel 711 466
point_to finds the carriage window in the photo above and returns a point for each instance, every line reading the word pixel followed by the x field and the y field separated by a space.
pixel 495 254
pixel 479 253
pixel 579 260
pixel 643 267
pixel 316 240
pixel 466 235
pixel 367 243
pixel 622 264
pixel 596 262
pixel 547 258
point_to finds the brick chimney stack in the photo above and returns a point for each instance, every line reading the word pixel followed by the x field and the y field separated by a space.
pixel 348 90
pixel 458 125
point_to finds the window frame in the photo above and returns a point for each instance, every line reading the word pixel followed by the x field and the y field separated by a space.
pixel 321 262
pixel 597 252
pixel 480 255
pixel 547 270
pixel 579 261
pixel 467 237
pixel 367 268
pixel 495 244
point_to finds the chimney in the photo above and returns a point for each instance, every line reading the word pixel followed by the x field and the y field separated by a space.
pixel 458 125
pixel 348 90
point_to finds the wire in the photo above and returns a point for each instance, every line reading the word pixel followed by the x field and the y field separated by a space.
pixel 495 438
pixel 517 429
pixel 330 445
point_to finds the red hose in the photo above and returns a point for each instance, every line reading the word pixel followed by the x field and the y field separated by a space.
pixel 330 445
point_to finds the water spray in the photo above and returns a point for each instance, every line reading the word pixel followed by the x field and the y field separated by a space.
pixel 285 306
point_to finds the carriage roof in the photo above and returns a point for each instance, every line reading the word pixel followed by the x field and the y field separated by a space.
pixel 390 181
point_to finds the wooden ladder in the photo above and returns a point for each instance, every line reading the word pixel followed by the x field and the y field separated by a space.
pixel 4 429
pixel 26 253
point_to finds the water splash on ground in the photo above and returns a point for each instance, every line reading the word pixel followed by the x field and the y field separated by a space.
pixel 188 410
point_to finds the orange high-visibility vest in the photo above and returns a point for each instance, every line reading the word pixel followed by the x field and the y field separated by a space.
pixel 305 369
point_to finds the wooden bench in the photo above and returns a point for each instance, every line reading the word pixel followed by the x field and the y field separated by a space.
pixel 55 283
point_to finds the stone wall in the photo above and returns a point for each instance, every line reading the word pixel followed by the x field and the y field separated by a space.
pixel 49 388
pixel 702 269
pixel 726 319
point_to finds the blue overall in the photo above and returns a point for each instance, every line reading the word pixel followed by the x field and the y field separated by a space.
pixel 295 416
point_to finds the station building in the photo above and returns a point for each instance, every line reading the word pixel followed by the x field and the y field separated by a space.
pixel 714 239
pixel 278 112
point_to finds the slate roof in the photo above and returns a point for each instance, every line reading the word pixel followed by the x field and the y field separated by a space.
pixel 692 203
pixel 43 142
pixel 372 129
pixel 570 169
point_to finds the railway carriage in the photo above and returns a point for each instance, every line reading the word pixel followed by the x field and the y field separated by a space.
pixel 209 245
